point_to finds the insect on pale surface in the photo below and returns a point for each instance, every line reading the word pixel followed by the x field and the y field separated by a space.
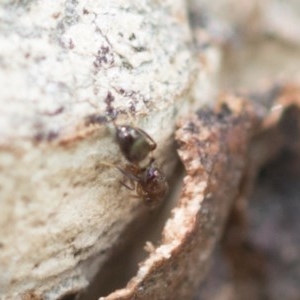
pixel 148 181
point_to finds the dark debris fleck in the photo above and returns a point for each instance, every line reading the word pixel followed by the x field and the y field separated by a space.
pixel 95 119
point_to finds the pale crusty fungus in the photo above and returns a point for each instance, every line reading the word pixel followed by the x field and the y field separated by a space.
pixel 62 209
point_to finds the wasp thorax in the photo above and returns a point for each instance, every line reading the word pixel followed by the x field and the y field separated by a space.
pixel 134 143
pixel 149 182
pixel 155 182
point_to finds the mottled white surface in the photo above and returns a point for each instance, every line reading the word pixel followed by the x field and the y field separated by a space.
pixel 60 209
pixel 63 57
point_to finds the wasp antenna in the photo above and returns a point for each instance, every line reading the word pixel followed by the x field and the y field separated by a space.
pixel 132 120
pixel 106 164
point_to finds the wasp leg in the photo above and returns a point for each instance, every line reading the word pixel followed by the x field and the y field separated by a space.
pixel 106 164
pixel 131 186
pixel 129 175
pixel 140 190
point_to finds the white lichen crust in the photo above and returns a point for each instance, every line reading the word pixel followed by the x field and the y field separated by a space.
pixel 61 208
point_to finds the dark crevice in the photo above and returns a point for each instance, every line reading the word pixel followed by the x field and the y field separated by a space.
pixel 123 262
pixel 259 254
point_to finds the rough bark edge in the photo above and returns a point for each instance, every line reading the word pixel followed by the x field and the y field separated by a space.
pixel 277 137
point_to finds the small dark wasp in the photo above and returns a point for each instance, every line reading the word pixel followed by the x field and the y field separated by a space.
pixel 148 182
pixel 134 143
